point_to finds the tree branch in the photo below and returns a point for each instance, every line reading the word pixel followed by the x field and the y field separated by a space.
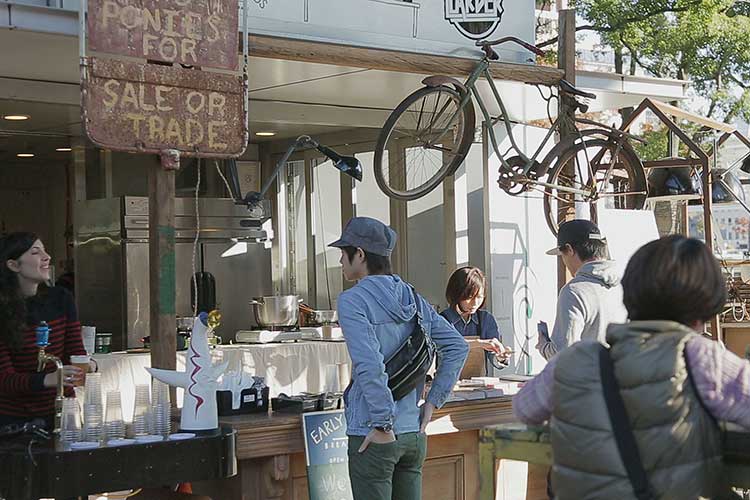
pixel 624 22
pixel 634 54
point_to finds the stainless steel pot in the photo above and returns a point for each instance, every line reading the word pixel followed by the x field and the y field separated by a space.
pixel 276 310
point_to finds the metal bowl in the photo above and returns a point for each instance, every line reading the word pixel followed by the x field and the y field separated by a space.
pixel 325 316
pixel 185 323
pixel 276 310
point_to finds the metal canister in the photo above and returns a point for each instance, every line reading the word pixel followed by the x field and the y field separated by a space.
pixel 103 343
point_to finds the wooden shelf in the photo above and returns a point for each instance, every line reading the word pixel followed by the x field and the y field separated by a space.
pixel 674 197
pixel 733 324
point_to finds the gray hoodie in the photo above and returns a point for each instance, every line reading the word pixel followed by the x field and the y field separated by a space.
pixel 587 304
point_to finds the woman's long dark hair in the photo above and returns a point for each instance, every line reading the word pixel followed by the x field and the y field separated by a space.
pixel 12 301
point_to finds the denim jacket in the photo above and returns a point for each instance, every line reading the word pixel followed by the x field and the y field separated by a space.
pixel 376 317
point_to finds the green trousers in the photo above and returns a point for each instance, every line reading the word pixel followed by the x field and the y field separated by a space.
pixel 390 471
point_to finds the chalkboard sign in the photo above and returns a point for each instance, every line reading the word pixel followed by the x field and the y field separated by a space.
pixel 326 455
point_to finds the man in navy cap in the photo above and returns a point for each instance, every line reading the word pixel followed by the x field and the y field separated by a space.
pixel 592 300
pixel 377 315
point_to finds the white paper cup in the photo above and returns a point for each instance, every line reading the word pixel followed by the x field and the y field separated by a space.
pixel 84 363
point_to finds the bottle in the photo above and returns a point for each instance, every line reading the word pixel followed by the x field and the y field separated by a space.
pixel 42 334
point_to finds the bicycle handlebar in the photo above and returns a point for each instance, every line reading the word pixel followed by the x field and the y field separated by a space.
pixel 526 45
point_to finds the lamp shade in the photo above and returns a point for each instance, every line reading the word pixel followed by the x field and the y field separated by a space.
pixel 720 191
pixel 673 181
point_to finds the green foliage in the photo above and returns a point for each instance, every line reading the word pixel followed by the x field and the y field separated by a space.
pixel 704 41
pixel 655 147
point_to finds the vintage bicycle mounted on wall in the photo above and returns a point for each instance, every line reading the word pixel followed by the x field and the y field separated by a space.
pixel 428 135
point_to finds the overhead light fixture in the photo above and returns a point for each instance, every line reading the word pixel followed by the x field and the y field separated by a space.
pixel 265 134
pixel 16 118
pixel 25 155
pixel 63 150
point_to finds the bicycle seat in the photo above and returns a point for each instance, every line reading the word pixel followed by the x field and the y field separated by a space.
pixel 568 88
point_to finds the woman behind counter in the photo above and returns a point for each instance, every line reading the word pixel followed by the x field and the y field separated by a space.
pixel 26 394
pixel 465 294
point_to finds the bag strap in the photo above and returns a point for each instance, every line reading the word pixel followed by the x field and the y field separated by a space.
pixel 418 304
pixel 624 437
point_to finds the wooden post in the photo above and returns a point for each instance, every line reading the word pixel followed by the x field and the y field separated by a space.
pixel 399 214
pixel 708 228
pixel 449 223
pixel 348 210
pixel 266 167
pixel 312 256
pixel 566 60
pixel 77 181
pixel 161 254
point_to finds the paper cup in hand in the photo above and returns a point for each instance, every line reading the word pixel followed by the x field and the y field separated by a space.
pixel 84 363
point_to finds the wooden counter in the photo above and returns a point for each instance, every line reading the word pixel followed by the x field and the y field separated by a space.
pixel 270 451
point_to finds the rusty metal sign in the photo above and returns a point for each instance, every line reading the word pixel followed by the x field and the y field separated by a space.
pixel 192 32
pixel 149 108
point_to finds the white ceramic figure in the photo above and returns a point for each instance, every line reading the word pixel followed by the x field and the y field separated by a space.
pixel 199 411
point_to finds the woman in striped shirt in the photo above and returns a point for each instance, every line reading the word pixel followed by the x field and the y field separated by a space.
pixel 25 393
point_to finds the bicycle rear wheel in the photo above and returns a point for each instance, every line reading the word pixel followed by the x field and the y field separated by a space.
pixel 424 140
pixel 610 178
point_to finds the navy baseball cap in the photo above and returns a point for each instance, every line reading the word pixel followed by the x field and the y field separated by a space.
pixel 369 234
pixel 576 231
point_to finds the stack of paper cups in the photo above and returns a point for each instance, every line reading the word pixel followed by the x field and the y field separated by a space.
pixel 89 338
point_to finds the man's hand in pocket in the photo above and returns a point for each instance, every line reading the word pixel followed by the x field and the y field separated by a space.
pixel 378 437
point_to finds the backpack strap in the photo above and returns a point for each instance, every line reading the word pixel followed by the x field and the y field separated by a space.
pixel 624 437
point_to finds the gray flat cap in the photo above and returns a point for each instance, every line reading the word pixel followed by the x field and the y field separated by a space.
pixel 369 234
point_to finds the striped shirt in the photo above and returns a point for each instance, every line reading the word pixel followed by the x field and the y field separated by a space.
pixel 22 392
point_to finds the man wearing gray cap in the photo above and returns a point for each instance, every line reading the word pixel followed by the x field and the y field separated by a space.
pixel 377 316
pixel 592 300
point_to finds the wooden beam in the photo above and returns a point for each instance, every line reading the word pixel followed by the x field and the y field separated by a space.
pixel 392 60
pixel 161 254
pixel 672 163
pixel 566 50
pixel 692 117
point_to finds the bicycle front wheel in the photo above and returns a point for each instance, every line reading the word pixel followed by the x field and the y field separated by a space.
pixel 424 140
pixel 599 175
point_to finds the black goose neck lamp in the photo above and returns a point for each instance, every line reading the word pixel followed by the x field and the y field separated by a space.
pixel 347 164
pixel 259 208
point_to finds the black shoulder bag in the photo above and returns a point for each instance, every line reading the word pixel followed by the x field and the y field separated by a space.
pixel 407 367
pixel 624 437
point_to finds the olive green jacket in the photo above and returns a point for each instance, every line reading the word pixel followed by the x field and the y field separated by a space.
pixel 678 440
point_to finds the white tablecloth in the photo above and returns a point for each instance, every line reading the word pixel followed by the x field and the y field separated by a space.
pixel 290 368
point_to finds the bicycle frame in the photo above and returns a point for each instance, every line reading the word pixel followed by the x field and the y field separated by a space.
pixel 482 70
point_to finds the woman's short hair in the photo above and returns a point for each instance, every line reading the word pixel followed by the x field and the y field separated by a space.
pixel 673 278
pixel 465 283
pixel 376 264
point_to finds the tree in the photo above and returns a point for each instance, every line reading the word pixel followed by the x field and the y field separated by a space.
pixel 704 41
